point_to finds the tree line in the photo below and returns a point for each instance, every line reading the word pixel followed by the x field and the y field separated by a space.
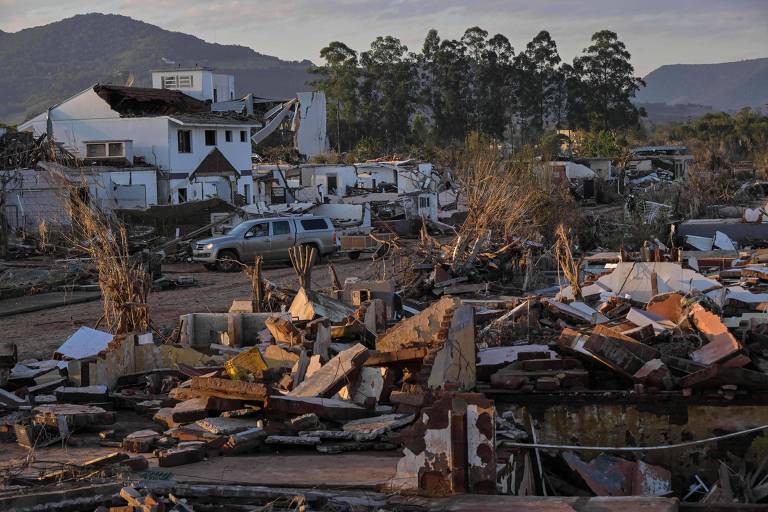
pixel 389 97
pixel 721 139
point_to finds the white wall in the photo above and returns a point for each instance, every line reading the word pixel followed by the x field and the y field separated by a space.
pixel 35 199
pixel 85 105
pixel 210 186
pixel 413 181
pixel 201 82
pixel 225 87
pixel 378 175
pixel 346 175
pixel 32 200
pixel 311 138
pixel 238 153
pixel 145 178
pixel 87 117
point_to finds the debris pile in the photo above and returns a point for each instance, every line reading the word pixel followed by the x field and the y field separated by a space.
pixel 484 267
pixel 439 387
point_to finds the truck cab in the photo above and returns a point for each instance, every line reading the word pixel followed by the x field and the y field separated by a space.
pixel 269 238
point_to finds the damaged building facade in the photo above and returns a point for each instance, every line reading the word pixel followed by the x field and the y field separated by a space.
pixel 188 128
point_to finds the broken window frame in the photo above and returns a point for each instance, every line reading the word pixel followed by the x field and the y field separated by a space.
pixel 115 149
pixel 177 82
pixel 168 82
pixel 91 147
pixel 184 141
pixel 332 178
pixel 185 81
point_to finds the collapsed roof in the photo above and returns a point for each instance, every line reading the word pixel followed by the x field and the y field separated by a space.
pixel 141 101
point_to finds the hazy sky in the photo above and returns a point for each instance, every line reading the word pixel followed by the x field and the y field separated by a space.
pixel 656 31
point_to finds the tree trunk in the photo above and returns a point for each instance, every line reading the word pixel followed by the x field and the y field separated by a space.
pixel 3 232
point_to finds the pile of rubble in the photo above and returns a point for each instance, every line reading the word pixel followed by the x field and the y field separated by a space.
pixel 344 371
pixel 493 267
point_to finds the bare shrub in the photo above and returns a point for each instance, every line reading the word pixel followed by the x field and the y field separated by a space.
pixel 500 195
pixel 124 283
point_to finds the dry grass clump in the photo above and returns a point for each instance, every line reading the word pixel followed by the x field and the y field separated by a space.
pixel 501 196
pixel 124 283
pixel 565 261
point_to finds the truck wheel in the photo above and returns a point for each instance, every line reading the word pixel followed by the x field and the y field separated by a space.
pixel 228 262
pixel 354 255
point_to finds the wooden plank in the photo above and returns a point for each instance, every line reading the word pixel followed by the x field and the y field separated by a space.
pixel 326 408
pixel 233 389
pixel 333 375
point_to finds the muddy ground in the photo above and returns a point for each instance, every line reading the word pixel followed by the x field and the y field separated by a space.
pixel 38 334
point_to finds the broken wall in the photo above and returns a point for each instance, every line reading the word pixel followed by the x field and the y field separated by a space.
pixel 311 138
pixel 357 291
pixel 455 361
pixel 650 421
pixel 199 330
pixel 417 329
pixel 450 449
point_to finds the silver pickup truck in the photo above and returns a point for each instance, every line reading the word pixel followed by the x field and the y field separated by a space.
pixel 269 238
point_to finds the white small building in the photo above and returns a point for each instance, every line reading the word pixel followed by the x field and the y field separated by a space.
pixel 412 185
pixel 167 129
pixel 603 166
pixel 407 176
pixel 330 182
pixel 198 81
pixel 32 198
pixel 325 180
pixel 304 117
pixel 311 183
pixel 674 159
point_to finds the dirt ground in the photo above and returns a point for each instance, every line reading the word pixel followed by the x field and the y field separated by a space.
pixel 38 334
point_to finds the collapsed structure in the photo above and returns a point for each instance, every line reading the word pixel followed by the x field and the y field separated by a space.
pixel 480 394
pixel 477 370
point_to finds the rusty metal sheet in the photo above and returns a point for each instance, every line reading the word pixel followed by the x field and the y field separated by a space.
pixel 607 475
pixel 651 480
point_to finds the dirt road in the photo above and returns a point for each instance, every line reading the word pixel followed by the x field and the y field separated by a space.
pixel 38 334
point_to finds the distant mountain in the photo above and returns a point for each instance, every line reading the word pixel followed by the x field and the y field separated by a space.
pixel 726 86
pixel 677 112
pixel 44 65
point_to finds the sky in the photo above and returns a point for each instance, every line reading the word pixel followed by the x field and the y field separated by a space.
pixel 656 32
